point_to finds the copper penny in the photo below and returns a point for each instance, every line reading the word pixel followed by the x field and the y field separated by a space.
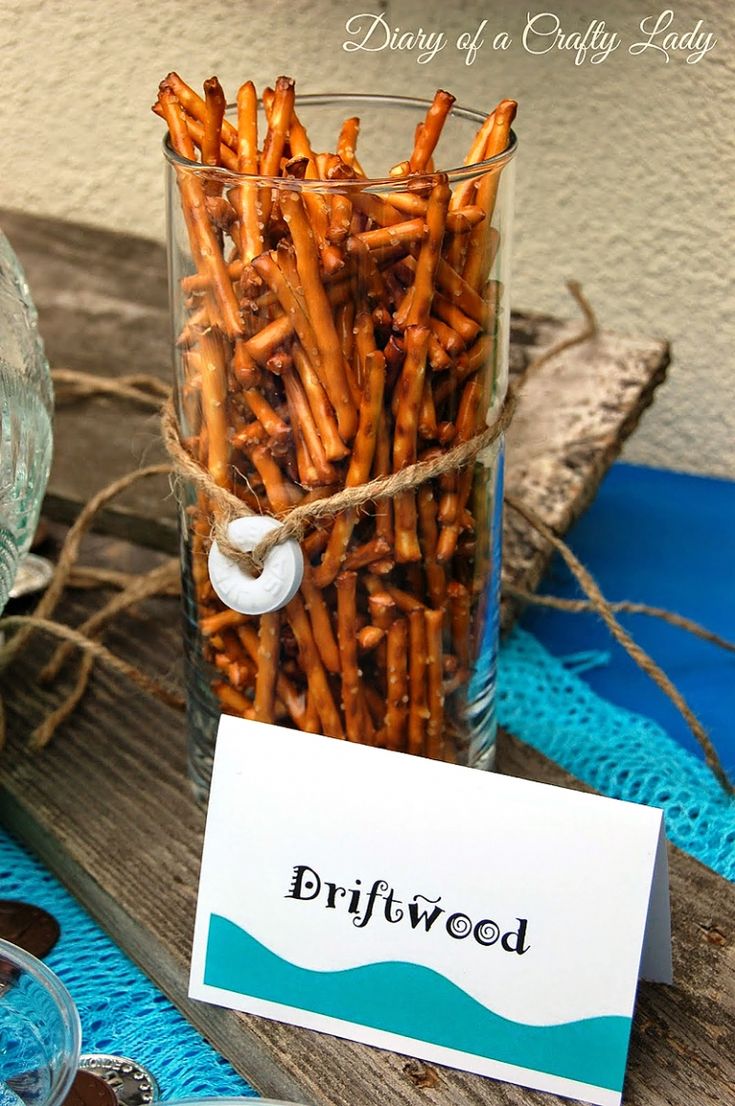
pixel 29 927
pixel 90 1090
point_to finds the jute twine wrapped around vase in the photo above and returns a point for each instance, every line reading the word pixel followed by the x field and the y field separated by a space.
pixel 164 579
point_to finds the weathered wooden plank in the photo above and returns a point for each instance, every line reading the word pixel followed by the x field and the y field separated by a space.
pixel 109 809
pixel 102 304
pixel 573 418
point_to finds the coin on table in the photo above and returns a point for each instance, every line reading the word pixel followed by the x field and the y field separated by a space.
pixel 89 1090
pixel 132 1083
pixel 29 927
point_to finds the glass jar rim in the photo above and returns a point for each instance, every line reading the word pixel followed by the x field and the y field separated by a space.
pixel 395 184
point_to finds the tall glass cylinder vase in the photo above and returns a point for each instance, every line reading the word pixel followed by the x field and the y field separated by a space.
pixel 26 408
pixel 330 329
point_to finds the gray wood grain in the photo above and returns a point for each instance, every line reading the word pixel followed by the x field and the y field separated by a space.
pixel 108 808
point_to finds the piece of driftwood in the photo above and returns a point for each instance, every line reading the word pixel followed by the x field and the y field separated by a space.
pixel 108 808
pixel 103 308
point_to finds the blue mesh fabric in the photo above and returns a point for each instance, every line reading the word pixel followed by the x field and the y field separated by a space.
pixel 620 754
pixel 120 1009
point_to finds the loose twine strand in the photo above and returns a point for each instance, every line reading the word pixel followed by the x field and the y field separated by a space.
pixel 227 507
pixel 602 607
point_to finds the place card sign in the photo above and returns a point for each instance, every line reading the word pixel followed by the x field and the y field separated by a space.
pixel 467 918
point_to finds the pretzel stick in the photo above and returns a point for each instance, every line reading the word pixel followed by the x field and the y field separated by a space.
pixel 451 314
pixel 340 218
pixel 334 381
pixel 478 355
pixel 427 425
pixel 462 294
pixel 382 467
pixel 321 409
pixel 363 555
pixel 410 392
pixel 459 608
pixel 294 703
pixel 347 636
pixel 364 335
pixel 382 607
pixel 214 406
pixel 347 144
pixel 301 418
pixel 468 421
pixel 299 140
pixel 268 652
pixel 272 423
pixel 439 359
pixel 414 310
pixel 246 196
pixel 241 676
pixel 321 622
pixel 464 191
pixel 417 708
pixel 204 245
pixel 279 120
pixel 317 683
pixel 197 282
pixel 232 700
pixel 435 576
pixel 318 207
pixel 369 638
pixel 377 209
pixel 407 203
pixel 358 472
pixel 429 131
pixel 281 494
pixel 220 621
pixel 452 342
pixel 196 107
pixel 409 231
pixel 215 105
pixel 476 265
pixel 275 275
pixel 227 156
pixel 434 621
pixel 396 685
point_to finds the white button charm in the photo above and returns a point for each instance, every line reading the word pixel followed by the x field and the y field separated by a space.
pixel 278 582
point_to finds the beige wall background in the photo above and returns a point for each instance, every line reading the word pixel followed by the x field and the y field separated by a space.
pixel 624 179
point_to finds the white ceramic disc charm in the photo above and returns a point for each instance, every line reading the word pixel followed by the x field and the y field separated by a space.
pixel 278 582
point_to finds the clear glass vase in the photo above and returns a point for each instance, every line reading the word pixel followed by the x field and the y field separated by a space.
pixel 392 639
pixel 40 1034
pixel 26 404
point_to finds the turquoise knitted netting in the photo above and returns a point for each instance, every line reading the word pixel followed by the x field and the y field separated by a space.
pixel 619 753
pixel 120 1009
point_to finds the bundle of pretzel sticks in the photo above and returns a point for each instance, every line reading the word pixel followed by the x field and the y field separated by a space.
pixel 336 331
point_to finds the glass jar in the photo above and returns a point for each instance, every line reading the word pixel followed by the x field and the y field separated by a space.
pixel 26 405
pixel 40 1035
pixel 344 351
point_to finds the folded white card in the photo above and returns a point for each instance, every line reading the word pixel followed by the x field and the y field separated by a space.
pixel 472 919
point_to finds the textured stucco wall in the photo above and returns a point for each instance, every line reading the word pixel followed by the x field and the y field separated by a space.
pixel 624 182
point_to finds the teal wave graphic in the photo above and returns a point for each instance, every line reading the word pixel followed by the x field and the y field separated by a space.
pixel 417 1002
